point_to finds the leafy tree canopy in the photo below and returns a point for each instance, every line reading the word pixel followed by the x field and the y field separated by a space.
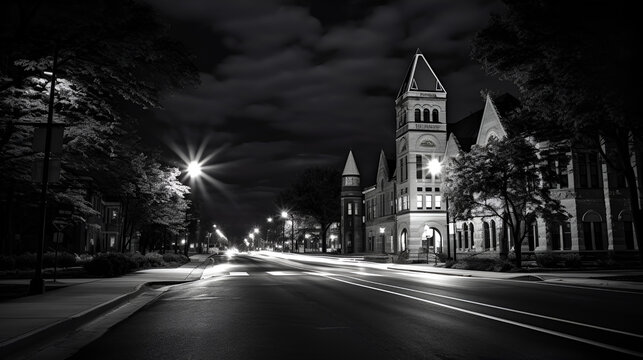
pixel 502 179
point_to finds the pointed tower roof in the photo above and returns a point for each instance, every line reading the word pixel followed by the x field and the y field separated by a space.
pixel 420 77
pixel 350 169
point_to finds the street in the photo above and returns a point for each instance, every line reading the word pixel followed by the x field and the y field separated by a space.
pixel 263 306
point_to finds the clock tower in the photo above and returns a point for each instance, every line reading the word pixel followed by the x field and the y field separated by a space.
pixel 351 200
pixel 420 138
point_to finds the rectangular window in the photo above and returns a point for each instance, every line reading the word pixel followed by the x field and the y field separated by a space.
pixel 399 204
pixel 582 170
pixel 563 179
pixel 436 176
pixel 356 208
pixel 438 201
pixel 405 202
pixel 593 170
pixel 567 235
pixel 531 240
pixel 429 201
pixel 392 204
pixel 349 211
pixel 418 166
pixel 418 200
pixel 555 236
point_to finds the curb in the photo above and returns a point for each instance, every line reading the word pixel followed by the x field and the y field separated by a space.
pixel 65 325
pixel 428 272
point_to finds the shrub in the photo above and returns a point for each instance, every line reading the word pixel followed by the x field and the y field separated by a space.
pixel 138 261
pixel 177 258
pixel 7 262
pixel 64 260
pixel 449 263
pixel 26 261
pixel 154 259
pixel 572 260
pixel 442 257
pixel 82 259
pixel 546 259
pixel 110 264
pixel 503 266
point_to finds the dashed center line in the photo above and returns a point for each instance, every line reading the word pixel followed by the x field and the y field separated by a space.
pixel 238 273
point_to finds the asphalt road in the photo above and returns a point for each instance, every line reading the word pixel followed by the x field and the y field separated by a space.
pixel 261 307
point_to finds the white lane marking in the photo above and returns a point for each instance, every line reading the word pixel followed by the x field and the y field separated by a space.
pixel 283 273
pixel 501 308
pixel 364 273
pixel 495 318
pixel 238 273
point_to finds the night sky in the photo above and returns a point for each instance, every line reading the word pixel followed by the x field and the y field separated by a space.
pixel 287 85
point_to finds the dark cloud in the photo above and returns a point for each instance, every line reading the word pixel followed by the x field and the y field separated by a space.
pixel 292 84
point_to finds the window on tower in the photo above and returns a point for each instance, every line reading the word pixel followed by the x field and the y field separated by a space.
pixel 426 115
pixel 417 115
pixel 436 116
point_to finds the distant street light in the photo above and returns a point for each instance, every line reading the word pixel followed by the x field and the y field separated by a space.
pixel 382 230
pixel 284 215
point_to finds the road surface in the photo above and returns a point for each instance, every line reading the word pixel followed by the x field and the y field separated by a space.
pixel 266 307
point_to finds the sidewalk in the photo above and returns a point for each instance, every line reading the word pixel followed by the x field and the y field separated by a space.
pixel 30 319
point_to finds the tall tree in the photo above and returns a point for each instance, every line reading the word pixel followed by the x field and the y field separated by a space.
pixel 316 193
pixel 112 57
pixel 577 68
pixel 505 179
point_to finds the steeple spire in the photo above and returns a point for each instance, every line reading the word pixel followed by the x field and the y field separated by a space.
pixel 420 77
pixel 350 169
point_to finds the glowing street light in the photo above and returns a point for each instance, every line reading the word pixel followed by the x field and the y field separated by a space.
pixel 435 167
pixel 194 169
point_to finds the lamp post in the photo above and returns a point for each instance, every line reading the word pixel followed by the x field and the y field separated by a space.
pixel 193 171
pixel 37 284
pixel 382 230
pixel 284 216
pixel 269 221
pixel 435 167
pixel 256 231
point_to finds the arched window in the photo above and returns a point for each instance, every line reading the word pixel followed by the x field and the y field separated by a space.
pixel 532 236
pixel 436 117
pixel 625 216
pixel 403 240
pixel 417 115
pixel 487 235
pixel 593 230
pixel 426 116
pixel 465 228
pixel 494 242
pixel 472 234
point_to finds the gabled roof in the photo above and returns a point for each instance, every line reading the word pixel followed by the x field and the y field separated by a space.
pixel 350 169
pixel 466 130
pixel 420 77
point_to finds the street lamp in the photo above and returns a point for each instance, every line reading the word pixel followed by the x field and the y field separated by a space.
pixel 284 215
pixel 269 221
pixel 435 167
pixel 194 171
pixel 37 284
pixel 382 230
